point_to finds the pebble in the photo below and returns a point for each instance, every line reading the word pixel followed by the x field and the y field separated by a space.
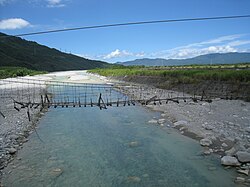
pixel 12 150
pixel 134 179
pixel 56 172
pixel 133 144
pixel 207 152
pixel 239 180
pixel 245 172
pixel 212 168
pixel 224 145
pixel 181 122
pixel 206 142
pixel 145 175
pixel 160 121
pixel 152 121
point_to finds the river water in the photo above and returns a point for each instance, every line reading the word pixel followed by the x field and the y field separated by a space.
pixel 113 147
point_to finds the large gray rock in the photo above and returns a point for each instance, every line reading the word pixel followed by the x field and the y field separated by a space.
pixel 12 150
pixel 181 122
pixel 243 156
pixel 229 161
pixel 206 142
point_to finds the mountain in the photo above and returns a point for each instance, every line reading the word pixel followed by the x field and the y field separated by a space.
pixel 215 58
pixel 15 51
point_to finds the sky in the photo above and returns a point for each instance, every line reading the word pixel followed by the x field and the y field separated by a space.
pixel 117 44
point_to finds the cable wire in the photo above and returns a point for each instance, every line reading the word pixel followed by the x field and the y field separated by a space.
pixel 133 23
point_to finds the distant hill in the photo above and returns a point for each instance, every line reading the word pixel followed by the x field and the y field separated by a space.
pixel 18 52
pixel 215 58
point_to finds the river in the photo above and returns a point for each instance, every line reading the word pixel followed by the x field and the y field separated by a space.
pixel 113 147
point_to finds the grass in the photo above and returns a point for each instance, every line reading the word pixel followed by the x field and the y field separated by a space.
pixel 6 72
pixel 180 75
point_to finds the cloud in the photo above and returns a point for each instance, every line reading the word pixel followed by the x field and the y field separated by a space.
pixel 13 23
pixel 224 44
pixel 118 53
pixel 55 4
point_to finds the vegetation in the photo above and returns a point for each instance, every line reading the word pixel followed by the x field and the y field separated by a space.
pixel 6 72
pixel 17 52
pixel 181 74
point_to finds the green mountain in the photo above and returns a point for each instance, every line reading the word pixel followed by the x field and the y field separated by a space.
pixel 15 51
pixel 215 58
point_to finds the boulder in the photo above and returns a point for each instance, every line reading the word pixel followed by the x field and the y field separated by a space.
pixel 181 122
pixel 206 142
pixel 243 156
pixel 229 161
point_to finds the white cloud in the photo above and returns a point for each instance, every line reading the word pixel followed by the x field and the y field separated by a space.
pixel 118 53
pixel 13 23
pixel 222 44
pixel 55 4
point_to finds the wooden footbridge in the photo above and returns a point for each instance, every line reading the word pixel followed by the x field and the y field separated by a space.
pixel 28 93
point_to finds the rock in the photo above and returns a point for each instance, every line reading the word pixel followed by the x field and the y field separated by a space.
pixel 243 156
pixel 208 127
pixel 152 121
pixel 182 128
pixel 160 121
pixel 181 122
pixel 212 168
pixel 205 104
pixel 145 175
pixel 230 152
pixel 224 145
pixel 12 150
pixel 133 144
pixel 206 142
pixel 13 137
pixel 229 161
pixel 239 180
pixel 134 179
pixel 163 115
pixel 207 152
pixel 245 172
pixel 56 172
pixel 247 129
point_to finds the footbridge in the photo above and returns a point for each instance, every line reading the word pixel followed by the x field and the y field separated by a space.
pixel 30 93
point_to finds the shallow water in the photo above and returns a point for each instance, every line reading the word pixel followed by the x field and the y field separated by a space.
pixel 92 147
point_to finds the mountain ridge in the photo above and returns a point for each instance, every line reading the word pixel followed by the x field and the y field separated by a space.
pixel 18 52
pixel 214 58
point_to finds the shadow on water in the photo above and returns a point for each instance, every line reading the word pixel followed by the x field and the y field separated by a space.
pixel 113 147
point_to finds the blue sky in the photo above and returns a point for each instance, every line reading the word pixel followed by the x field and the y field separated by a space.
pixel 166 40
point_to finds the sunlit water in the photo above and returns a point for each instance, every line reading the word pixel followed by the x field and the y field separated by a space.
pixel 92 147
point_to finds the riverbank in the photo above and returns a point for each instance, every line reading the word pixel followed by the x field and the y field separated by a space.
pixel 221 127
